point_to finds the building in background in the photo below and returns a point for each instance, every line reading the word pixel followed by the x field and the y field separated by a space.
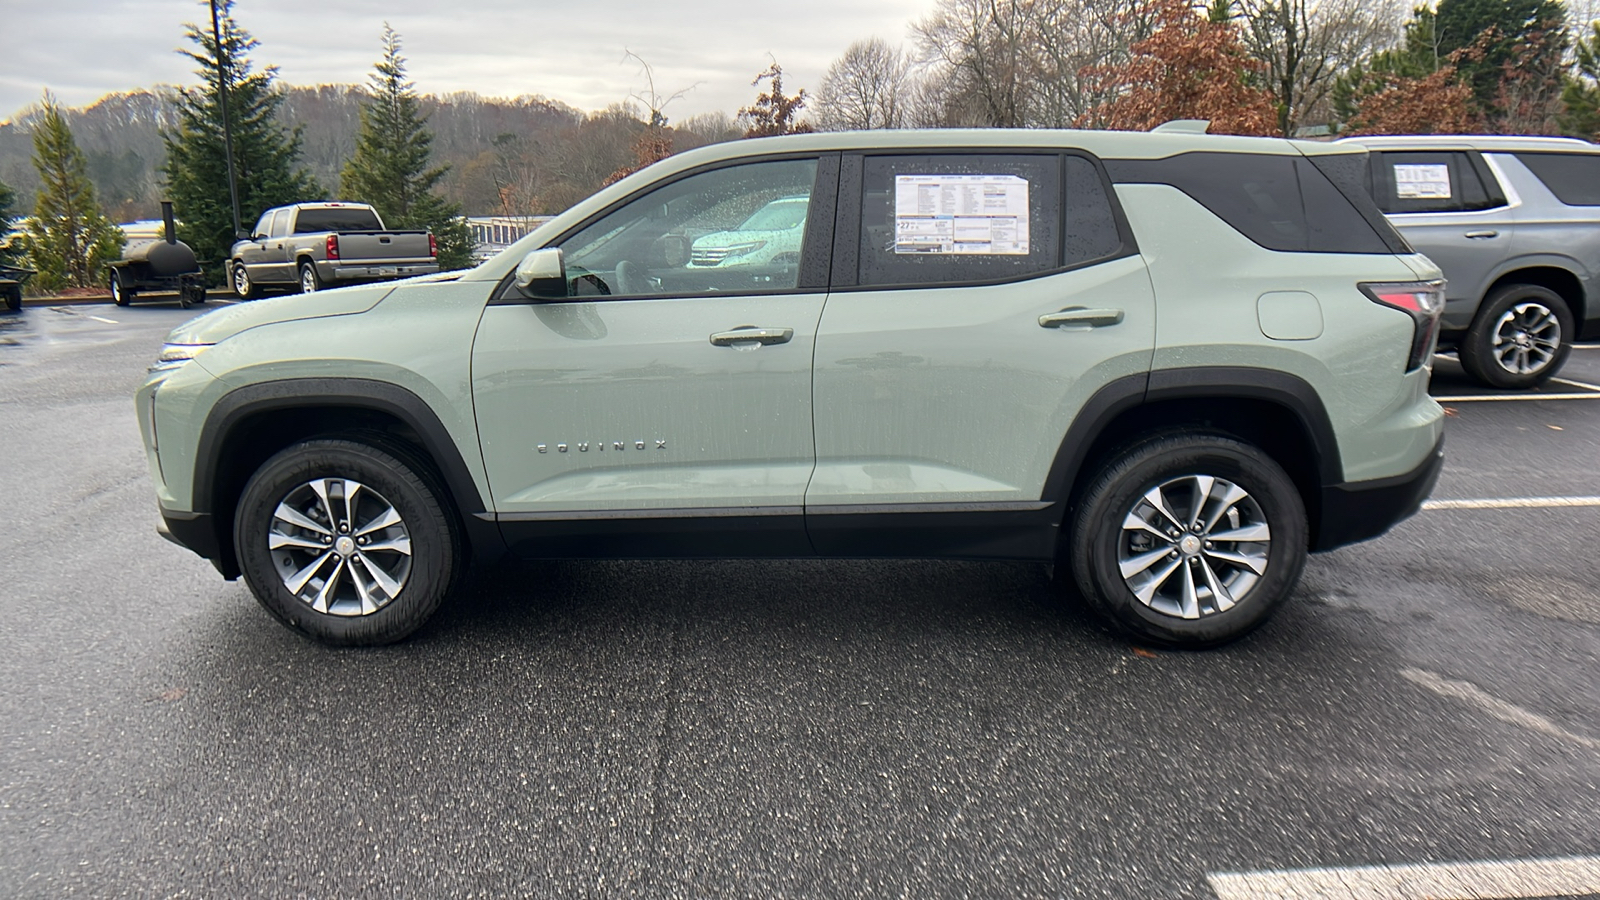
pixel 491 234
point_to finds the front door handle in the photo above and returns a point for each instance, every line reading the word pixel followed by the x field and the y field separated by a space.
pixel 1482 235
pixel 1080 317
pixel 750 334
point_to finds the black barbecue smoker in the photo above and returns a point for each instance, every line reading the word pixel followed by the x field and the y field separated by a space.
pixel 162 264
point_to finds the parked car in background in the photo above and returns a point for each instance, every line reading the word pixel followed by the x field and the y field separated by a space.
pixel 308 246
pixel 1514 222
pixel 1171 364
pixel 771 236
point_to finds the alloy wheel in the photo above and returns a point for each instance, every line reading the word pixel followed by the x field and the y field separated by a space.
pixel 340 547
pixel 1193 546
pixel 1526 338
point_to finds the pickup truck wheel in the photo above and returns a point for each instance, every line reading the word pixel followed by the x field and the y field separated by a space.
pixel 243 287
pixel 120 295
pixel 310 281
pixel 1520 338
pixel 1188 541
pixel 345 542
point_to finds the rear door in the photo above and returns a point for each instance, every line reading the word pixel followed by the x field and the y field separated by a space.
pixel 662 406
pixel 1449 206
pixel 979 299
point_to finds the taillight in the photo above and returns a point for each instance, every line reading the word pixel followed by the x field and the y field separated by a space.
pixel 1423 301
pixel 433 245
pixel 333 246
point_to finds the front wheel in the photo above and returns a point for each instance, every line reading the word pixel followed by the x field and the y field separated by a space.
pixel 243 287
pixel 1519 339
pixel 345 542
pixel 1188 541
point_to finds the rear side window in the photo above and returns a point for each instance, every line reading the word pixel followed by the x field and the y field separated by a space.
pixel 311 221
pixel 1430 181
pixel 1573 177
pixel 957 218
pixel 1280 202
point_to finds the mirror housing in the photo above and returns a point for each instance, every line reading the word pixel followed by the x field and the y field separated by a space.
pixel 542 274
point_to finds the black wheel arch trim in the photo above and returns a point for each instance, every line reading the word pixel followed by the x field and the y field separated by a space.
pixel 240 404
pixel 1208 382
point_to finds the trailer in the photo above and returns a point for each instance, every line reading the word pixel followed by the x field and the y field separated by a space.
pixel 12 278
pixel 166 264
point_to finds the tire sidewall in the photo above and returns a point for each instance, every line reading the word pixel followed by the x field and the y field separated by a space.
pixel 312 284
pixel 243 288
pixel 1478 357
pixel 119 292
pixel 1116 491
pixel 433 544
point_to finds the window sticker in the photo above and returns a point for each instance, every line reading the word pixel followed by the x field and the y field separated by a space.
pixel 1422 182
pixel 972 214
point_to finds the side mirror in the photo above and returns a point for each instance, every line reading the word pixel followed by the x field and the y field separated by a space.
pixel 542 274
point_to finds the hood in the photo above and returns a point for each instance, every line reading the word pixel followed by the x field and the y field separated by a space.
pixel 224 323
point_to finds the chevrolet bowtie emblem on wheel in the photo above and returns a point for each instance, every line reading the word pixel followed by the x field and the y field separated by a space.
pixel 600 446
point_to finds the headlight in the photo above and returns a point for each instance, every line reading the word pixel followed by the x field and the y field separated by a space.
pixel 742 249
pixel 174 355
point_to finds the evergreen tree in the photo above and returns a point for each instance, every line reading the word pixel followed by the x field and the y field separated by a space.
pixel 69 240
pixel 1580 99
pixel 266 155
pixel 390 167
pixel 8 199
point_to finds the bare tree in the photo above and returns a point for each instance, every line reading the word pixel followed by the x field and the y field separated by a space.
pixel 1307 44
pixel 980 52
pixel 864 89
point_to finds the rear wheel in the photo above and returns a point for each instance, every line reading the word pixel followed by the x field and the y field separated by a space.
pixel 1188 541
pixel 243 287
pixel 1520 338
pixel 310 281
pixel 120 294
pixel 345 542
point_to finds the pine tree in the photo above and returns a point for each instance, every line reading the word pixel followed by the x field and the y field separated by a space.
pixel 69 240
pixel 1581 97
pixel 390 167
pixel 266 155
pixel 8 251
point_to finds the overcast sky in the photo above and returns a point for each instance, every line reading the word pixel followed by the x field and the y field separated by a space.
pixel 570 50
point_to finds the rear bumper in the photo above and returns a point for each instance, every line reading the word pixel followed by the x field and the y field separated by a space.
pixel 367 271
pixel 1361 510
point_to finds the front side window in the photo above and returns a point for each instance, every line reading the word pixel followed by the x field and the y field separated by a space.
pixel 959 218
pixel 263 224
pixel 739 229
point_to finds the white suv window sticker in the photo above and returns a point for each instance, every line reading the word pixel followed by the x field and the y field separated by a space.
pixel 1422 182
pixel 981 214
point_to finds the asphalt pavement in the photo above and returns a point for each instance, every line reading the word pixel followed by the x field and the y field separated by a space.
pixel 789 729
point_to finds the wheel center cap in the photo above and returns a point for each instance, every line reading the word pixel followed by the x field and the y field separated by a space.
pixel 1190 545
pixel 344 546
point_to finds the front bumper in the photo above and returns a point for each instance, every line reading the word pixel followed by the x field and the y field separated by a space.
pixel 196 532
pixel 1361 510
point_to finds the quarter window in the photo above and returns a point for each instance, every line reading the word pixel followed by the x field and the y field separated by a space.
pixel 739 229
pixel 1573 177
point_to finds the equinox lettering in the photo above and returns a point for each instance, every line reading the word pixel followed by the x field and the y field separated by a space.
pixel 616 446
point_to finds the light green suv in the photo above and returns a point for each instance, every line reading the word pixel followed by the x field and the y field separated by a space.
pixel 1172 364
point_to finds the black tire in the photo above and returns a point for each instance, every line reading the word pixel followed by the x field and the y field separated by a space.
pixel 195 294
pixel 1098 541
pixel 120 293
pixel 1502 317
pixel 394 479
pixel 310 281
pixel 243 286
pixel 14 297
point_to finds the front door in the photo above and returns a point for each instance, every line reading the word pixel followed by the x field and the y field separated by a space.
pixel 672 381
pixel 983 298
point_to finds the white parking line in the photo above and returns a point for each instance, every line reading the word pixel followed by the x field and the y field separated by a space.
pixel 1511 503
pixel 1571 876
pixel 1494 706
pixel 102 319
pixel 1577 384
pixel 1470 398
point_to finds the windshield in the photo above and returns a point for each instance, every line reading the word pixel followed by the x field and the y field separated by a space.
pixel 786 213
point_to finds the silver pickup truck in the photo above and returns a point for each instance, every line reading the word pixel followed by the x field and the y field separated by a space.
pixel 309 246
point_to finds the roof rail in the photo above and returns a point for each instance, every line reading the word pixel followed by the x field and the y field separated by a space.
pixel 1182 126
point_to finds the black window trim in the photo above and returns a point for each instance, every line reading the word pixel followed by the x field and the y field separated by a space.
pixel 1491 185
pixel 847 233
pixel 814 260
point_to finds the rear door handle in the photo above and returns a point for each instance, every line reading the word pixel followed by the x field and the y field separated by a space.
pixel 750 334
pixel 1080 317
pixel 1481 235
